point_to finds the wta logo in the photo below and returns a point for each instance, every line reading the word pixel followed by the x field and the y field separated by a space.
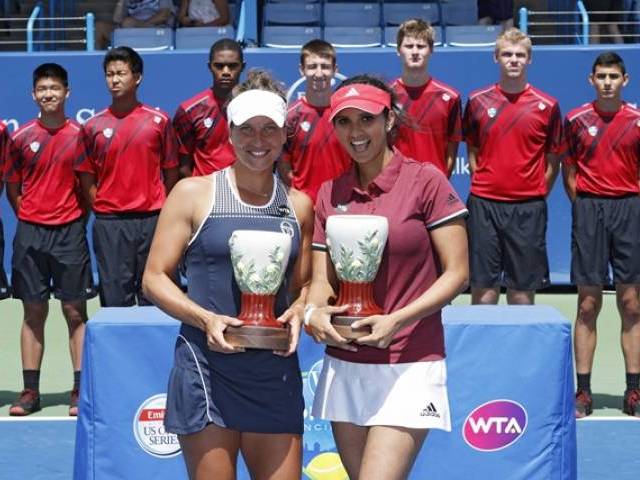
pixel 494 425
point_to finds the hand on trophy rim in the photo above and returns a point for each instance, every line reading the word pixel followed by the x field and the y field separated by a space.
pixel 322 330
pixel 216 325
pixel 383 329
pixel 293 318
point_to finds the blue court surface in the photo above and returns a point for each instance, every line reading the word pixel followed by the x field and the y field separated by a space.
pixel 39 449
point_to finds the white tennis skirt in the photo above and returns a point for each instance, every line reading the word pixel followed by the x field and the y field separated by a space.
pixel 411 395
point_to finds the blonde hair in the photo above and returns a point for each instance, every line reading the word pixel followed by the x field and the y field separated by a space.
pixel 513 35
pixel 259 80
pixel 418 28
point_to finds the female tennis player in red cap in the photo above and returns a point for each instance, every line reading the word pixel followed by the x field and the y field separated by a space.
pixel 385 390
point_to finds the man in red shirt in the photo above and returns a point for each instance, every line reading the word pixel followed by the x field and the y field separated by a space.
pixel 131 165
pixel 201 121
pixel 434 108
pixel 601 165
pixel 50 251
pixel 514 134
pixel 312 153
pixel 5 291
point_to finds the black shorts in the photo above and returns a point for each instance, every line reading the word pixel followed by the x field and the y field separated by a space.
pixel 604 6
pixel 122 244
pixel 507 244
pixel 51 259
pixel 5 291
pixel 606 231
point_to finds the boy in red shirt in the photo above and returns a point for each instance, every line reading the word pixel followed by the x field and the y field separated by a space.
pixel 601 164
pixel 50 251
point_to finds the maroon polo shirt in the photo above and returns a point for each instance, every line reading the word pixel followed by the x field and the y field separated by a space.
pixel 312 149
pixel 513 133
pixel 605 149
pixel 415 198
pixel 41 159
pixel 201 126
pixel 127 153
pixel 435 119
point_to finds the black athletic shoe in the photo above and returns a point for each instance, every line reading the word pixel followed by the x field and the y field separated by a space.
pixel 584 404
pixel 27 403
pixel 631 402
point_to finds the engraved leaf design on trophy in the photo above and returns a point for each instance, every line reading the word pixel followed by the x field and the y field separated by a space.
pixel 356 244
pixel 265 281
pixel 363 267
pixel 259 260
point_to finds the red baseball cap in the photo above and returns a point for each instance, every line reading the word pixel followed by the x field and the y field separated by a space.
pixel 361 96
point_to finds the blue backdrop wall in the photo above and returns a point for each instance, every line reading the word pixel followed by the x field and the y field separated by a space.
pixel 171 77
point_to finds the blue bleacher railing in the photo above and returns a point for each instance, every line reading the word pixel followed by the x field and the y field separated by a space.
pixel 523 19
pixel 585 22
pixel 30 24
pixel 90 24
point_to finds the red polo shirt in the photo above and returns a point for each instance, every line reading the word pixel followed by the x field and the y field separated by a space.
pixel 127 153
pixel 312 149
pixel 605 149
pixel 201 126
pixel 435 114
pixel 41 159
pixel 415 198
pixel 513 133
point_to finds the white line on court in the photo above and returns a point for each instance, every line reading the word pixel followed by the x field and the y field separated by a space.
pixel 609 419
pixel 37 419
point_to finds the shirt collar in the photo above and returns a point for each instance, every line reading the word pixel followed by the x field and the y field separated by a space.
pixel 383 182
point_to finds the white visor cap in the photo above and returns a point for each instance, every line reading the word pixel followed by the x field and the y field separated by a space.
pixel 257 103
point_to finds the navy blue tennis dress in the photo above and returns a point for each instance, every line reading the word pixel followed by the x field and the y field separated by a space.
pixel 253 391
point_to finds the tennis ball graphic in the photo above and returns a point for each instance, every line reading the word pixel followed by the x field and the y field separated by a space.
pixel 326 466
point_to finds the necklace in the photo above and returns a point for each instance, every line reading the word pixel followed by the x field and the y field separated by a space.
pixel 263 195
pixel 245 189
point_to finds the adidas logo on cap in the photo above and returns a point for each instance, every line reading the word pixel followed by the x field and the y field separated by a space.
pixel 352 93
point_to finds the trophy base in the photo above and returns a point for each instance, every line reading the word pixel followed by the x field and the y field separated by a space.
pixel 342 325
pixel 263 338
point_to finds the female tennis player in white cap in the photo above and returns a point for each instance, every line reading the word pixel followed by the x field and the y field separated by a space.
pixel 221 399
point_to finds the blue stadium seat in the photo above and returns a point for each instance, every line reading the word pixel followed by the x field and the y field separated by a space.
pixel 292 14
pixel 459 12
pixel 353 37
pixel 143 39
pixel 472 35
pixel 352 14
pixel 391 34
pixel 396 13
pixel 277 36
pixel 201 37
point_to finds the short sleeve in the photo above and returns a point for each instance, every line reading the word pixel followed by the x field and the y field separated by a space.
pixel 170 147
pixel 4 143
pixel 184 131
pixel 568 151
pixel 470 126
pixel 440 201
pixel 13 161
pixel 554 132
pixel 454 132
pixel 86 163
pixel 321 212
